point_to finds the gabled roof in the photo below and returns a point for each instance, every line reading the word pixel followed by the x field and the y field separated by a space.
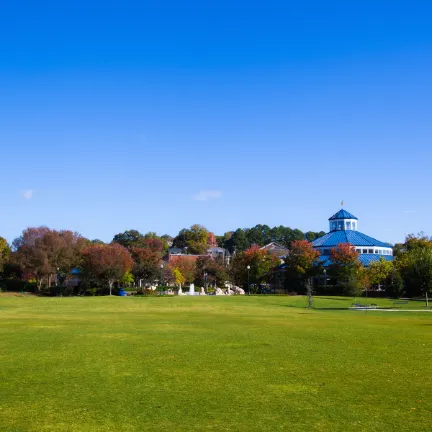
pixel 273 246
pixel 356 238
pixel 343 214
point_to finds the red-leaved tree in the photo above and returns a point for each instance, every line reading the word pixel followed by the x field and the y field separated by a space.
pixel 107 263
pixel 345 262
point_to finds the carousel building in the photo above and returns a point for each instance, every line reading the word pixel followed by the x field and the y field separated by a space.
pixel 344 229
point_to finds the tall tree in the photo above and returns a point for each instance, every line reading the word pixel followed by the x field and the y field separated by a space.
pixel 4 252
pixel 301 263
pixel 107 263
pixel 344 264
pixel 379 271
pixel 216 271
pixel 185 265
pixel 147 264
pixel 129 238
pixel 44 253
pixel 419 269
pixel 194 238
pixel 261 263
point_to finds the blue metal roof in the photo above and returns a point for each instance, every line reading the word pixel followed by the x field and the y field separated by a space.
pixel 364 259
pixel 343 214
pixel 356 238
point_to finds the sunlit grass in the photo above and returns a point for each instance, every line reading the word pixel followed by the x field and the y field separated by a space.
pixel 211 363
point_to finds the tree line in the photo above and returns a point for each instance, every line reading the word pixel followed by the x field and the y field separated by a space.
pixel 49 258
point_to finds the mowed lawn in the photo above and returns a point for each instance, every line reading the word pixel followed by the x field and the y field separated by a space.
pixel 211 364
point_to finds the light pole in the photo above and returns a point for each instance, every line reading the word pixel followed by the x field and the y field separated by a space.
pixel 205 282
pixel 248 269
pixel 185 249
pixel 161 280
pixel 325 277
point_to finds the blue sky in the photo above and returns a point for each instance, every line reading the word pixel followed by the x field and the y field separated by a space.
pixel 157 115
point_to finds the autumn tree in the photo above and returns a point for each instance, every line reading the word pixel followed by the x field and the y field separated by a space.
pixel 301 263
pixel 261 263
pixel 179 279
pixel 106 263
pixel 147 264
pixel 185 265
pixel 44 254
pixel 344 266
pixel 215 270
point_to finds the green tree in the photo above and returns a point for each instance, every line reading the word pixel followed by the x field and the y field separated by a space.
pixel 215 270
pixel 394 284
pixel 419 269
pixel 379 271
pixel 4 252
pixel 127 279
pixel 194 238
pixel 345 267
pixel 129 239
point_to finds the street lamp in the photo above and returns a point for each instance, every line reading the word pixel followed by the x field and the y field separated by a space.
pixel 161 280
pixel 185 249
pixel 205 281
pixel 248 269
pixel 325 277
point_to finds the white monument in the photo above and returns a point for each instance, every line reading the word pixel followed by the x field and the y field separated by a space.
pixel 192 289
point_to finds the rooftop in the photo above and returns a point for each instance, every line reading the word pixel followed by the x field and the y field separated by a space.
pixel 365 259
pixel 356 238
pixel 343 214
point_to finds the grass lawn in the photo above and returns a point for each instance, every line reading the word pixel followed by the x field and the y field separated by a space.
pixel 212 364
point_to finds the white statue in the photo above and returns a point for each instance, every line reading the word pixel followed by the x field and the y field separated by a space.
pixel 180 291
pixel 238 290
pixel 202 292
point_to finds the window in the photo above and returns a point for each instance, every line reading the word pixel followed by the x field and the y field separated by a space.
pixel 358 250
pixel 326 252
pixel 353 225
pixel 371 251
pixel 333 226
pixel 348 225
pixel 364 250
pixel 340 225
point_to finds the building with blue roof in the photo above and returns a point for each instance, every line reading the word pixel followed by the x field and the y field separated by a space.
pixel 344 229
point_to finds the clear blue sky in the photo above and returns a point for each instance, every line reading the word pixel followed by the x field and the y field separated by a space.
pixel 157 115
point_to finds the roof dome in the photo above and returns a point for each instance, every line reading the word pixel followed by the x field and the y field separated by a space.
pixel 343 214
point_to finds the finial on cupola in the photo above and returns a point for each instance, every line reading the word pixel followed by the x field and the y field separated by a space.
pixel 342 203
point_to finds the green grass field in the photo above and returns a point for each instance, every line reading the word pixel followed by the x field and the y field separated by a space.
pixel 212 364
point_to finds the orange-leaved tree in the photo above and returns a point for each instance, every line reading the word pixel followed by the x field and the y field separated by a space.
pixel 345 264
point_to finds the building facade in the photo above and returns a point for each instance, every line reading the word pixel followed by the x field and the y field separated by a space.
pixel 344 229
